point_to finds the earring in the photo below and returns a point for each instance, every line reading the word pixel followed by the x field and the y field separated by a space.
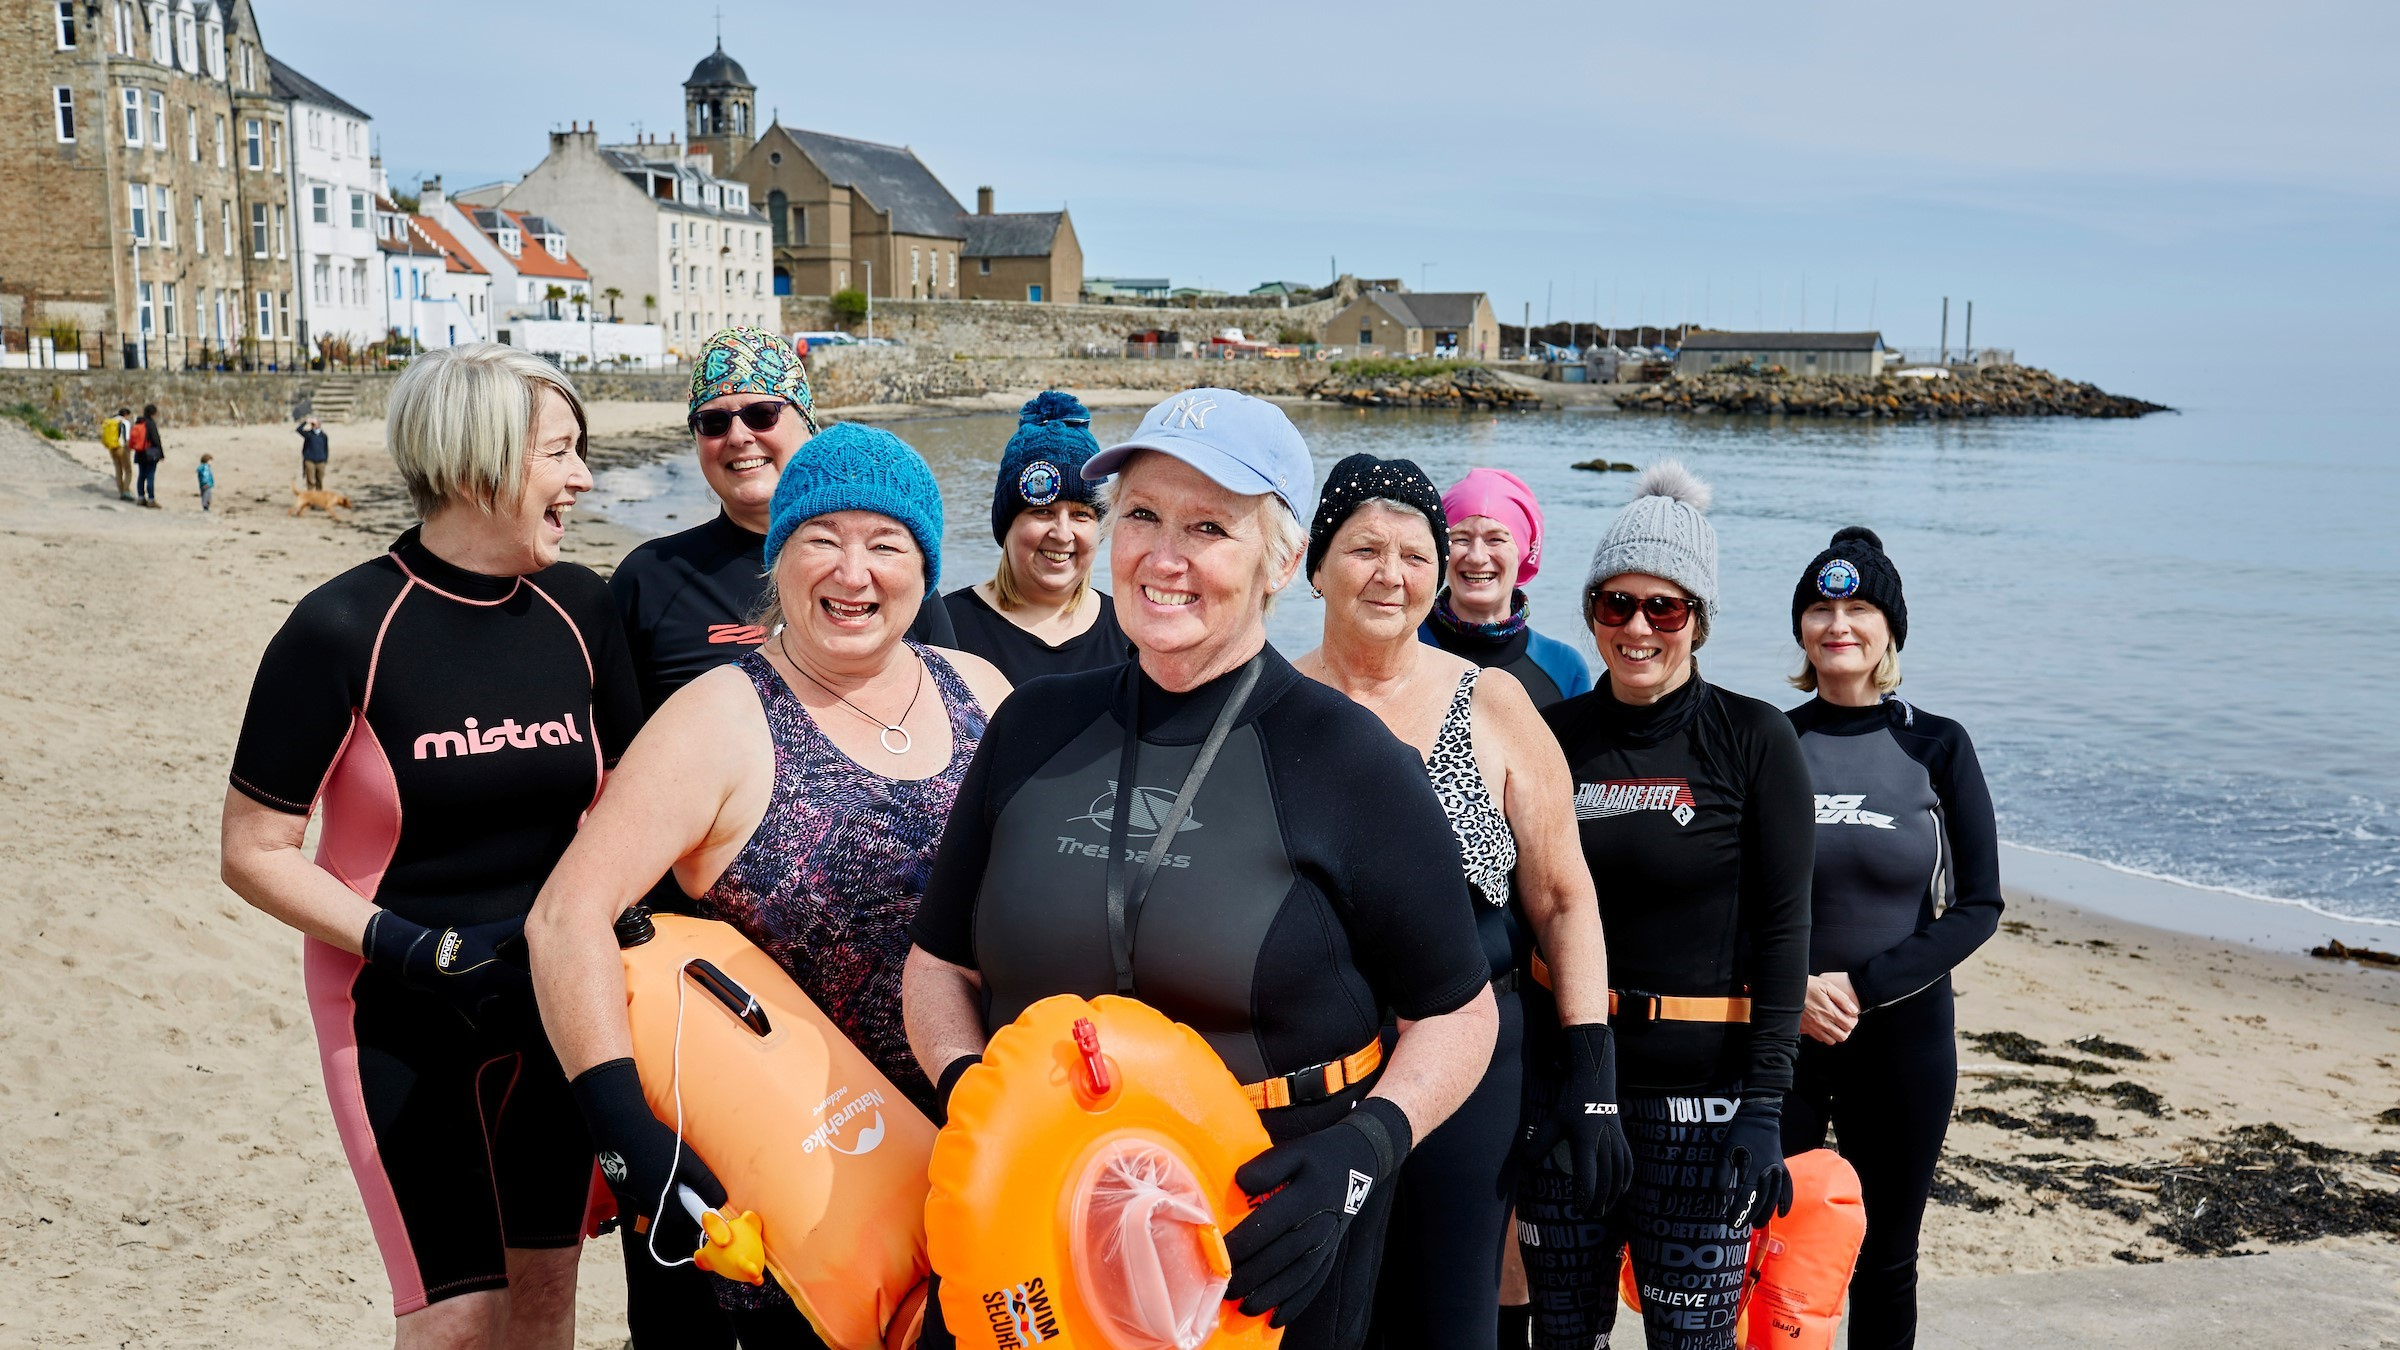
pixel 1312 590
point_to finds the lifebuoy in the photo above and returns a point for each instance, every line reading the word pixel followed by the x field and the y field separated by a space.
pixel 1083 1186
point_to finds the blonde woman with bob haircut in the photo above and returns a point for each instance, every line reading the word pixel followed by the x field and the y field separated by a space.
pixel 450 708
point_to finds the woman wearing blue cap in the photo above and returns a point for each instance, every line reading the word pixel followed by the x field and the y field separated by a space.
pixel 1314 892
pixel 1039 614
pixel 797 793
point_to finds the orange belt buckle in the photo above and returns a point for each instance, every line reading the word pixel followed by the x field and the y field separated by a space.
pixel 1317 1082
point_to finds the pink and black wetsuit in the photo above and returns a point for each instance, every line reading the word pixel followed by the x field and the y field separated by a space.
pixel 452 729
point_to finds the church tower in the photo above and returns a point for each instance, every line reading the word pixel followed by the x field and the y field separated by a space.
pixel 717 110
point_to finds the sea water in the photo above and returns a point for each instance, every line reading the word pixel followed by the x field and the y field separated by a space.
pixel 2173 640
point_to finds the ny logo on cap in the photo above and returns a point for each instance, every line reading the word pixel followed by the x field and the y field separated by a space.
pixel 1189 411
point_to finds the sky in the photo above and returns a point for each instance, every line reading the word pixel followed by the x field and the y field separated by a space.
pixel 2166 198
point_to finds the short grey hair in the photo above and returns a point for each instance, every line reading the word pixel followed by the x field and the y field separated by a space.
pixel 1286 537
pixel 460 418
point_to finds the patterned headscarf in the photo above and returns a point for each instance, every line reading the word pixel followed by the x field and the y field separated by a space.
pixel 751 361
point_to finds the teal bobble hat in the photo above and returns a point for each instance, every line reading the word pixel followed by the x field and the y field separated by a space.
pixel 848 467
pixel 1044 459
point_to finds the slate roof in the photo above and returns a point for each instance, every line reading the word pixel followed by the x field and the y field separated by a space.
pixel 1781 342
pixel 291 84
pixel 1429 309
pixel 1012 234
pixel 637 171
pixel 891 178
pixel 718 68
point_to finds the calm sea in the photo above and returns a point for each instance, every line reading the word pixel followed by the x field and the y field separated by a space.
pixel 2173 640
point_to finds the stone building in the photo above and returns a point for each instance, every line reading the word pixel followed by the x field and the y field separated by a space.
pixel 1418 323
pixel 1019 255
pixel 333 203
pixel 679 246
pixel 148 215
pixel 718 111
pixel 1799 353
pixel 847 213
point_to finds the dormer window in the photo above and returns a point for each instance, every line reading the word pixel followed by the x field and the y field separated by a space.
pixel 510 243
pixel 556 245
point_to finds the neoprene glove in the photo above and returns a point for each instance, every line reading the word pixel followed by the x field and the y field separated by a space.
pixel 1583 1132
pixel 468 967
pixel 1753 1173
pixel 1307 1193
pixel 640 1160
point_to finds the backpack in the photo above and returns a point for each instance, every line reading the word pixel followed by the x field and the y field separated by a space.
pixel 112 433
pixel 137 439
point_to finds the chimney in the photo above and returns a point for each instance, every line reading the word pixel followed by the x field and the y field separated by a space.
pixel 983 201
pixel 429 195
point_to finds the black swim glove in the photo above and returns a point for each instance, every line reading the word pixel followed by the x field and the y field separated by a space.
pixel 468 967
pixel 639 1158
pixel 1753 1174
pixel 1583 1133
pixel 1284 1252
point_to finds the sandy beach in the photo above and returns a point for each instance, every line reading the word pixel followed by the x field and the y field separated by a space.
pixel 169 1173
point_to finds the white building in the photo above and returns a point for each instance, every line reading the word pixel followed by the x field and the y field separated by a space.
pixel 333 177
pixel 525 254
pixel 433 291
pixel 678 245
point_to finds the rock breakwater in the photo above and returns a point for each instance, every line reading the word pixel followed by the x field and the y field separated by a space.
pixel 1463 387
pixel 2001 391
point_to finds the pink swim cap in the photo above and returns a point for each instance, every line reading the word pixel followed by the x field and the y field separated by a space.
pixel 1504 497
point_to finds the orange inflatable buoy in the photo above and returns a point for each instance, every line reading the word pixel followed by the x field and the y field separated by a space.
pixel 1800 1264
pixel 1084 1184
pixel 794 1119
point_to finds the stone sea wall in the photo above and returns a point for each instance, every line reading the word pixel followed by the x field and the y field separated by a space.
pixel 2000 391
pixel 1469 387
pixel 1016 328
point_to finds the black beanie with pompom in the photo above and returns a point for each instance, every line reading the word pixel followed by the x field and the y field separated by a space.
pixel 1854 567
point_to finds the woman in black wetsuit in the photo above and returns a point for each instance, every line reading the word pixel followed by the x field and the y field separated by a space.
pixel 448 708
pixel 1040 613
pixel 1693 805
pixel 1314 890
pixel 1907 886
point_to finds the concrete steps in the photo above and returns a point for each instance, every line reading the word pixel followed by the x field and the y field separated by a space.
pixel 334 399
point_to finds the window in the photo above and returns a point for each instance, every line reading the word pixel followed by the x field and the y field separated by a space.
pixel 133 118
pixel 66 25
pixel 254 154
pixel 64 101
pixel 224 320
pixel 395 285
pixel 341 284
pixel 352 130
pixel 282 230
pixel 225 226
pixel 145 293
pixel 162 38
pixel 266 315
pixel 191 133
pixel 358 210
pixel 170 316
pixel 187 50
pixel 283 313
pixel 246 68
pixel 199 225
pixel 166 217
pixel 137 205
pixel 674 276
pixel 212 38
pixel 316 128
pixel 983 267
pixel 954 271
pixel 124 28
pixel 158 119
pixel 275 139
pixel 317 287
pixel 320 209
pixel 258 229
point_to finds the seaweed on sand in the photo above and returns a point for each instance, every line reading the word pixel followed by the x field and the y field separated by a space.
pixel 2019 1048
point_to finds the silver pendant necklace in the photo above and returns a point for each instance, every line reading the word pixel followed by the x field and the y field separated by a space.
pixel 890 729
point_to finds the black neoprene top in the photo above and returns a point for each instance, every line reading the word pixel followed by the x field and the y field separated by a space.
pixel 451 726
pixel 1695 820
pixel 1020 655
pixel 1908 856
pixel 689 601
pixel 1313 892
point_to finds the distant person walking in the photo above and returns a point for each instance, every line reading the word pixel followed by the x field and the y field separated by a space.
pixel 114 430
pixel 315 450
pixel 148 449
pixel 208 483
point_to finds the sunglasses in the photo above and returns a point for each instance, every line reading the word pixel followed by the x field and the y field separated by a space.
pixel 715 422
pixel 1666 613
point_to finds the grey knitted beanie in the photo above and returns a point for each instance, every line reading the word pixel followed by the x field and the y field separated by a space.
pixel 1664 533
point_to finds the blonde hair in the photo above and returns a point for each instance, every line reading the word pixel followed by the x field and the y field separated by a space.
pixel 1011 593
pixel 1286 538
pixel 1887 672
pixel 460 418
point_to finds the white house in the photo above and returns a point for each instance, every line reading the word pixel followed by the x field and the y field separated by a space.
pixel 433 291
pixel 525 254
pixel 333 179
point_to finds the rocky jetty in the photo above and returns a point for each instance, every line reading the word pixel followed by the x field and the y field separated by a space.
pixel 1463 387
pixel 2000 391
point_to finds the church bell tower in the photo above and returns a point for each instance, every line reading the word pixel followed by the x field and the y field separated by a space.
pixel 717 110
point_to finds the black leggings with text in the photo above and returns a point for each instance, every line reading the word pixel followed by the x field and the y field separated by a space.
pixel 1687 1260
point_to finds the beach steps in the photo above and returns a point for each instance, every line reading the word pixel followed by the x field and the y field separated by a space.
pixel 334 399
pixel 2327 1298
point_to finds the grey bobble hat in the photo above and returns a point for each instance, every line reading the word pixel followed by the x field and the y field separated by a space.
pixel 1663 532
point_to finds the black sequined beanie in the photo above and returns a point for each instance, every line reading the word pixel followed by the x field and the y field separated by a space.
pixel 1362 478
pixel 1854 567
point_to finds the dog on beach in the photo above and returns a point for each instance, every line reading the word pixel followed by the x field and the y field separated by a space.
pixel 323 499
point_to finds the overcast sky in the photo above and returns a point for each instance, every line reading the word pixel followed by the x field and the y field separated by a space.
pixel 2126 197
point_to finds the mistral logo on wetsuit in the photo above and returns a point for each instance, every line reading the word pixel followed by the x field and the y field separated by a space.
pixel 1149 810
pixel 1624 797
pixel 476 739
pixel 740 634
pixel 1848 808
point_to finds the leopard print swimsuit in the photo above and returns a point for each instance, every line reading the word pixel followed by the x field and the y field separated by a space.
pixel 1485 842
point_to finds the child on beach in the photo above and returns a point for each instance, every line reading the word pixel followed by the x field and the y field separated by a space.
pixel 208 482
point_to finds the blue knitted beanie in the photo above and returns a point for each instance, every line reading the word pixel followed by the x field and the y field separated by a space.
pixel 848 467
pixel 1044 460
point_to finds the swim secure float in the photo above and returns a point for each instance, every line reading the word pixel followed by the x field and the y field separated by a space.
pixel 1083 1186
pixel 1800 1263
pixel 794 1119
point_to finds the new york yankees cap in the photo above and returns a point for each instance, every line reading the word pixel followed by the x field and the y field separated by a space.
pixel 1243 444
